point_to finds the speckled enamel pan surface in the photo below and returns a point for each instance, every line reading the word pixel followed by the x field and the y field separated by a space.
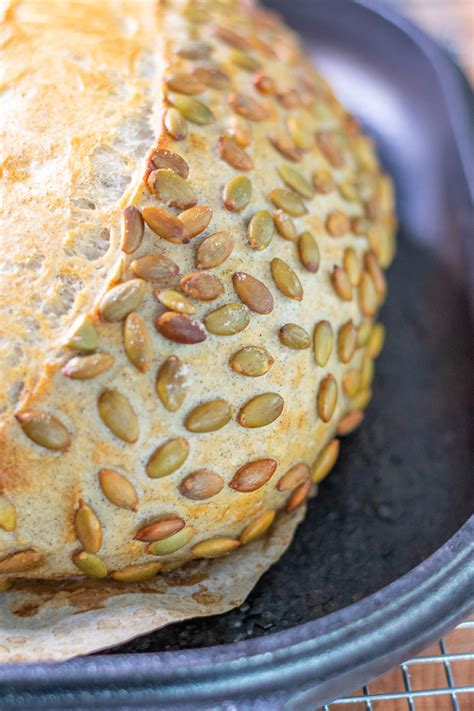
pixel 384 562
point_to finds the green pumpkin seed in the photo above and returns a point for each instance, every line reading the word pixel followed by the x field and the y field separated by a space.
pixel 165 225
pixel 122 299
pixel 327 398
pixel 237 193
pixel 351 382
pixel 251 361
pixel 193 110
pixel 323 182
pixel 20 562
pixel 288 202
pixel 294 336
pixel 118 415
pixel 301 131
pixel 7 515
pixel 173 543
pixel 84 338
pixel 172 383
pixel 348 191
pixel 253 293
pixel 364 330
pixel 132 229
pixel 244 61
pixel 175 124
pixel 168 458
pixel 209 416
pixel 261 410
pixel 180 328
pixel 362 399
pixel 137 342
pixel 352 265
pixel 156 268
pixel 214 250
pixel 285 225
pixel 295 181
pixel 257 528
pixel 260 230
pixel 171 188
pixel 368 299
pixel 136 573
pixel 325 462
pixel 323 339
pixel 45 429
pixel 193 49
pixel 227 320
pixel 118 490
pixel 90 564
pixel 346 341
pixel 286 279
pixel 376 340
pixel 215 547
pixel 175 301
pixel 88 366
pixel 341 283
pixel 88 529
pixel 253 475
pixel 367 372
pixel 309 252
pixel 202 484
pixel 5 584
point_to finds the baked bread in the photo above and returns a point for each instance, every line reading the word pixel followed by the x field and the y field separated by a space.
pixel 193 237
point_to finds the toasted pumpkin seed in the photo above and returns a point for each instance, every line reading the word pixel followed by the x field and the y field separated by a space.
pixel 258 527
pixel 7 515
pixel 328 145
pixel 168 458
pixel 264 84
pixel 260 230
pixel 193 110
pixel 212 77
pixel 88 529
pixel 175 301
pixel 185 84
pixel 376 340
pixel 118 415
pixel 247 107
pixel 295 476
pixel 349 422
pixel 44 429
pixel 327 398
pixel 352 265
pixel 243 60
pixel 237 193
pixel 227 320
pixel 209 416
pixel 162 158
pixel 230 37
pixel 294 336
pixel 253 475
pixel 155 267
pixel 285 225
pixel 323 339
pixel 323 182
pixel 175 124
pixel 337 224
pixel 137 342
pixel 240 131
pixel 368 299
pixel 252 361
pixel 172 543
pixel 288 202
pixel 373 268
pixel 362 399
pixel 200 485
pixel 118 489
pixel 351 382
pixel 364 330
pixel 136 573
pixel 84 338
pixel 367 372
pixel 233 154
pixel 172 383
pixel 325 461
pixel 309 252
pixel 295 180
pixel 299 495
pixel 88 366
pixel 90 564
pixel 346 341
pixel 253 293
pixel 214 250
pixel 20 562
pixel 165 225
pixel 215 547
pixel 122 299
pixel 5 584
pixel 180 328
pixel 286 279
pixel 171 188
pixel 158 530
pixel 196 219
pixel 261 410
pixel 202 286
pixel 285 146
pixel 341 283
pixel 132 229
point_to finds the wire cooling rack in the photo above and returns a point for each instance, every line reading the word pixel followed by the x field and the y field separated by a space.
pixel 445 670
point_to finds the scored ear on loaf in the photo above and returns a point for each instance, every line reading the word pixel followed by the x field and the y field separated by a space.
pixel 192 244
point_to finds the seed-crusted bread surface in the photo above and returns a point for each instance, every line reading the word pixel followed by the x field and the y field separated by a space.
pixel 192 242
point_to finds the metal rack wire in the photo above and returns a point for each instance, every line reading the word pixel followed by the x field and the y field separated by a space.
pixel 456 698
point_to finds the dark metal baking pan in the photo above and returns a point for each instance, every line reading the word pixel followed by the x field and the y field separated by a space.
pixel 383 563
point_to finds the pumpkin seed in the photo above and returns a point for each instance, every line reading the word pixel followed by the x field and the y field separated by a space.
pixel 264 84
pixel 118 489
pixel 368 300
pixel 214 250
pixel 240 131
pixel 7 515
pixel 351 382
pixel 300 130
pixel 348 191
pixel 118 415
pixel 202 484
pixel 122 299
pixel 309 252
pixel 193 49
pixel 327 398
pixel 367 372
pixel 202 286
pixel 285 146
pixel 261 410
pixel 363 332
pixel 196 219
pixel 5 584
pixel 376 340
pixel 172 543
pixel 349 422
pixel 155 267
pixel 171 188
pixel 362 399
pixel 213 77
pixel 253 475
pixel 323 339
pixel 45 429
pixel 215 547
pixel 286 279
pixel 260 230
pixel 209 416
pixel 132 229
pixel 185 84
pixel 352 265
pixel 360 226
pixel 233 154
pixel 243 60
pixel 175 301
pixel 172 383
pixel 253 293
pixel 175 124
pixel 158 530
pixel 193 110
pixel 258 527
pixel 323 182
pixel 251 361
pixel 167 458
pixel 162 158
pixel 20 562
pixel 230 37
pixel 337 224
pixel 237 193
pixel 88 366
pixel 290 99
pixel 180 328
pixel 328 145
pixel 295 476
pixel 288 202
pixel 325 461
pixel 88 529
pixel 373 268
pixel 227 320
pixel 285 225
pixel 299 495
pixel 346 341
pixel 247 107
pixel 294 336
pixel 137 342
pixel 84 338
pixel 169 566
pixel 90 564
pixel 341 283
pixel 165 225
pixel 295 181
pixel 136 573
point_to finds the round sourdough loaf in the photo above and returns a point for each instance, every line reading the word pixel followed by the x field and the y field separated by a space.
pixel 192 243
